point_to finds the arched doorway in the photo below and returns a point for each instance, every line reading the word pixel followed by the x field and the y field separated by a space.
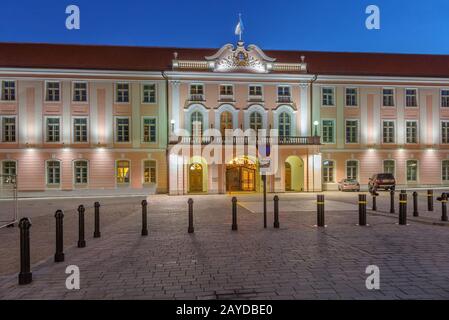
pixel 241 175
pixel 294 174
pixel 196 177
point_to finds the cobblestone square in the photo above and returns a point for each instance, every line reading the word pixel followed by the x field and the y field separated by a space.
pixel 297 261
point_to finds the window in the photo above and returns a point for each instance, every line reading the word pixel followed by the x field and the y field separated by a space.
pixel 411 131
pixel 412 171
pixel 53 173
pixel 197 124
pixel 352 131
pixel 122 92
pixel 351 97
pixel 80 130
pixel 445 171
pixel 388 131
pixel 445 98
pixel 284 94
pixel 352 169
pixel 122 129
pixel 225 122
pixel 148 93
pixel 284 124
pixel 389 166
pixel 328 131
pixel 52 133
pixel 123 172
pixel 328 171
pixel 149 130
pixel 411 97
pixel 388 97
pixel 8 91
pixel 81 168
pixel 149 171
pixel 52 91
pixel 80 92
pixel 328 96
pixel 196 92
pixel 226 91
pixel 8 129
pixel 255 92
pixel 445 132
pixel 9 172
pixel 255 121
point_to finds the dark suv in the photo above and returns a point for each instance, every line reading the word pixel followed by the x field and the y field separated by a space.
pixel 384 181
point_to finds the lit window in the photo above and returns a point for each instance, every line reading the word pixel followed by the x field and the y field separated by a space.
pixel 8 129
pixel 8 91
pixel 197 124
pixel 53 173
pixel 225 122
pixel 122 93
pixel 388 131
pixel 80 91
pixel 149 93
pixel 412 170
pixel 122 129
pixel 352 169
pixel 328 171
pixel 80 129
pixel 328 96
pixel 149 129
pixel 52 91
pixel 352 131
pixel 327 129
pixel 149 171
pixel 411 97
pixel 53 129
pixel 351 97
pixel 9 172
pixel 123 172
pixel 388 97
pixel 411 131
pixel 81 168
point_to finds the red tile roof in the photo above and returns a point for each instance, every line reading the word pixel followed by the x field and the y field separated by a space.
pixel 101 57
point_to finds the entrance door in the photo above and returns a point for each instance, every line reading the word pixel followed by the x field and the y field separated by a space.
pixel 196 178
pixel 288 177
pixel 248 179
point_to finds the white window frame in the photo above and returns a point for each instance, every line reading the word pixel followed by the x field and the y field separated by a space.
pixel 444 182
pixel 357 168
pixel 116 84
pixel 441 132
pixel 73 92
pixel 124 184
pixel 383 166
pixel 417 97
pixel 254 97
pixel 143 172
pixel 221 96
pixel 143 131
pixel 142 92
pixel 441 97
pixel 15 129
pixel 87 129
pixel 289 96
pixel 46 90
pixel 190 90
pixel 74 172
pixel 1 90
pixel 116 131
pixel 46 131
pixel 358 132
pixel 394 97
pixel 334 171
pixel 334 97
pixel 53 185
pixel 394 131
pixel 356 97
pixel 2 162
pixel 334 129
pixel 417 171
pixel 417 131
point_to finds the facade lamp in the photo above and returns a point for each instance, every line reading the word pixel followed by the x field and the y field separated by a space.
pixel 315 125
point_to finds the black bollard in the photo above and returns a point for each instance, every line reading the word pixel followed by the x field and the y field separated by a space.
pixel 415 204
pixel 144 218
pixel 97 233
pixel 276 212
pixel 190 202
pixel 81 240
pixel 392 201
pixel 403 209
pixel 429 200
pixel 444 207
pixel 374 202
pixel 59 255
pixel 25 275
pixel 320 210
pixel 234 213
pixel 362 209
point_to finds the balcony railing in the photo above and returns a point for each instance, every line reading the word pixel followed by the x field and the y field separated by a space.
pixel 284 99
pixel 196 97
pixel 205 140
pixel 226 97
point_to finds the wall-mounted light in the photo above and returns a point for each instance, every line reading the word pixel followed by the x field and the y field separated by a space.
pixel 172 123
pixel 315 124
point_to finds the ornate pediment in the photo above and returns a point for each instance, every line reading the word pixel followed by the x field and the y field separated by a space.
pixel 239 59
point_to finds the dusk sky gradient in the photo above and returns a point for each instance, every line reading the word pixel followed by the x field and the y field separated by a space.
pixel 411 26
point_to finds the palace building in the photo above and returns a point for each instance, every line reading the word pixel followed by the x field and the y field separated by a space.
pixel 105 117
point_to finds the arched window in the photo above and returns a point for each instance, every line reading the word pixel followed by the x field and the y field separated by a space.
pixel 284 124
pixel 225 122
pixel 255 121
pixel 197 124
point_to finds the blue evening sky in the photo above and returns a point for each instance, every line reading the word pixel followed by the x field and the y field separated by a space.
pixel 407 26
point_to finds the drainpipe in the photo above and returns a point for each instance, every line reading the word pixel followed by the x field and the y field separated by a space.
pixel 315 77
pixel 168 130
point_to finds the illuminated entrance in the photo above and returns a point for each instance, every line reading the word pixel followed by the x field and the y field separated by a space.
pixel 196 178
pixel 294 174
pixel 241 175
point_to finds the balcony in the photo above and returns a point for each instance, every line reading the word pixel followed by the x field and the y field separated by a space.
pixel 226 98
pixel 284 99
pixel 255 98
pixel 197 98
pixel 205 140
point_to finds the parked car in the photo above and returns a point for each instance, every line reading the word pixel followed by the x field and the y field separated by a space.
pixel 385 181
pixel 348 185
